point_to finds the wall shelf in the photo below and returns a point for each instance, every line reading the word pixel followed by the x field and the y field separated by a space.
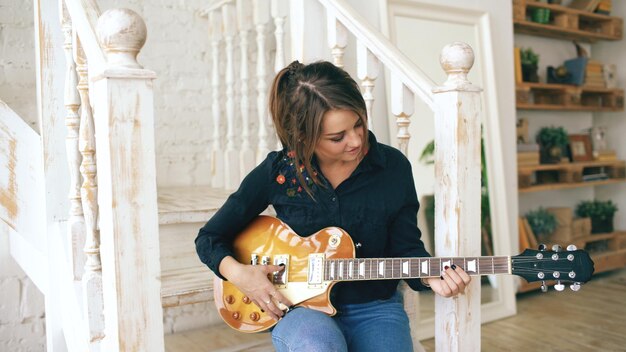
pixel 566 97
pixel 566 23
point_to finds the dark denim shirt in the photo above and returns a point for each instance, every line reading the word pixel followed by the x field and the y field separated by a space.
pixel 377 205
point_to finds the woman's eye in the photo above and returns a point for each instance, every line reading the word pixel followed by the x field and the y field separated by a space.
pixel 336 140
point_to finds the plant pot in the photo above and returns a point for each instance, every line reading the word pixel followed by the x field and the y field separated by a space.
pixel 551 155
pixel 602 225
pixel 529 73
pixel 540 15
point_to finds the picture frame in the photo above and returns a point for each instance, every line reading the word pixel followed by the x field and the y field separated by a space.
pixel 580 147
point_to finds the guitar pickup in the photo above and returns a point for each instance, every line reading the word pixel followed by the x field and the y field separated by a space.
pixel 279 278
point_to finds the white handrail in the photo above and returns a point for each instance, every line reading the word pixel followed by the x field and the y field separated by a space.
pixel 85 14
pixel 391 57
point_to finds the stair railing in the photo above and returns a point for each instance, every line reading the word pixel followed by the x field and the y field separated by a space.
pixel 113 212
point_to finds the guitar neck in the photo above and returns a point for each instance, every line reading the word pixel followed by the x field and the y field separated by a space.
pixel 357 269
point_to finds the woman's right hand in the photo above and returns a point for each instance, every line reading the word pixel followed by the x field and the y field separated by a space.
pixel 252 281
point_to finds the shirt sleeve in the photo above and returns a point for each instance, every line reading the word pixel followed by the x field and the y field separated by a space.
pixel 405 240
pixel 215 238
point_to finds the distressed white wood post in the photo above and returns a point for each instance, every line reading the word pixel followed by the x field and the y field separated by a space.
pixel 261 16
pixel 93 305
pixel 124 125
pixel 402 107
pixel 337 38
pixel 217 155
pixel 457 194
pixel 231 160
pixel 244 21
pixel 75 221
pixel 279 10
pixel 367 65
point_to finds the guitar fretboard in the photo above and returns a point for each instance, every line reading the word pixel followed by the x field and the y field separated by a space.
pixel 355 269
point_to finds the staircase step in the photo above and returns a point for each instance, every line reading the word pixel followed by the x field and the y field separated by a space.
pixel 189 203
pixel 182 211
pixel 217 338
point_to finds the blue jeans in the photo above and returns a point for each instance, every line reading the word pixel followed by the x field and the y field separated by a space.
pixel 375 326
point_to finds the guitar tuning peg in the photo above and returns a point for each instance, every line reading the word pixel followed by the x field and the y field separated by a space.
pixel 571 248
pixel 556 248
pixel 542 247
pixel 559 286
pixel 544 287
pixel 575 286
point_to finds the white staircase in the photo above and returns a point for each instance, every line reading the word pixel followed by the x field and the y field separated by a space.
pixel 117 268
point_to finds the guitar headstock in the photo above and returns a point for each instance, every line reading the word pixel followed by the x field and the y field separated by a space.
pixel 573 265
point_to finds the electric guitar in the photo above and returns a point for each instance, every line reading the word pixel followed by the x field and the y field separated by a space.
pixel 314 264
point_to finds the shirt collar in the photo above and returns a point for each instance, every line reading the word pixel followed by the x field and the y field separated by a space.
pixel 374 156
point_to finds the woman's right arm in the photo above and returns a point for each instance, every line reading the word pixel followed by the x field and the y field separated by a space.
pixel 215 238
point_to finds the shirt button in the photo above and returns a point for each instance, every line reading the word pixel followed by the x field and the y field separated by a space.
pixel 333 199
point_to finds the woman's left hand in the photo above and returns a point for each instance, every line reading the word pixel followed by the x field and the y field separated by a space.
pixel 453 281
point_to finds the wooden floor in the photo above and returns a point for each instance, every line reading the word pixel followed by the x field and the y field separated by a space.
pixel 593 319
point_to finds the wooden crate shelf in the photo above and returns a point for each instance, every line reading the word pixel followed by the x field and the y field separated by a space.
pixel 566 23
pixel 547 96
pixel 546 177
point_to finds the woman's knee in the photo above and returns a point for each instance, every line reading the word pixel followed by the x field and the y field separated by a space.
pixel 305 329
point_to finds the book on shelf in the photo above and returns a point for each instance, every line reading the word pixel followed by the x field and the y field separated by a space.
pixel 528 158
pixel 604 7
pixel 595 177
pixel 527 147
pixel 518 64
pixel 605 155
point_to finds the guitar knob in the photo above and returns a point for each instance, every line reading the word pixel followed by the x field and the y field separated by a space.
pixel 556 248
pixel 230 299
pixel 254 259
pixel 575 286
pixel 246 300
pixel 544 287
pixel 571 248
pixel 254 316
pixel 236 315
pixel 559 286
pixel 542 247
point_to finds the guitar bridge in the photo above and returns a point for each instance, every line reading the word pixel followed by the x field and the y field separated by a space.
pixel 279 278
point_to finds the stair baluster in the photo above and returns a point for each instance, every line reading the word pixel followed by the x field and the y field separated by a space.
pixel 217 156
pixel 76 221
pixel 261 16
pixel 337 39
pixel 367 65
pixel 231 164
pixel 244 20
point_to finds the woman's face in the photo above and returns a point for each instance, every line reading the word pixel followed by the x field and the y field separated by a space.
pixel 342 137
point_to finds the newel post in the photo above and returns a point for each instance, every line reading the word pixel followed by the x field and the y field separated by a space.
pixel 457 194
pixel 122 97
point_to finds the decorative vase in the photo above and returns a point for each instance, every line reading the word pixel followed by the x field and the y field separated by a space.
pixel 551 154
pixel 529 73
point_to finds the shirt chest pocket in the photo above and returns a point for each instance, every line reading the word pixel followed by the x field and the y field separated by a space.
pixel 368 226
pixel 295 213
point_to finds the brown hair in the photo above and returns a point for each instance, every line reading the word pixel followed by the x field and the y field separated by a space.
pixel 299 98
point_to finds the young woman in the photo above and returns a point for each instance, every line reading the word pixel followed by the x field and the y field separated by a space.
pixel 331 172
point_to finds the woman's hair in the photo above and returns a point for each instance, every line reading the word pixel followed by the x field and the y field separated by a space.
pixel 299 98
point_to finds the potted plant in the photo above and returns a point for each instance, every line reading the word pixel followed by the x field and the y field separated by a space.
pixel 542 222
pixel 553 142
pixel 530 64
pixel 600 212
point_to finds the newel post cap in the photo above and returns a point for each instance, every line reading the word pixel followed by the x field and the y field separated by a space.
pixel 122 33
pixel 457 59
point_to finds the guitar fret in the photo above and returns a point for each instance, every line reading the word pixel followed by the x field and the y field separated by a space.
pixel 410 268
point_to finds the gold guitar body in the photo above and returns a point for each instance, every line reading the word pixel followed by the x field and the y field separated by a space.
pixel 269 237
